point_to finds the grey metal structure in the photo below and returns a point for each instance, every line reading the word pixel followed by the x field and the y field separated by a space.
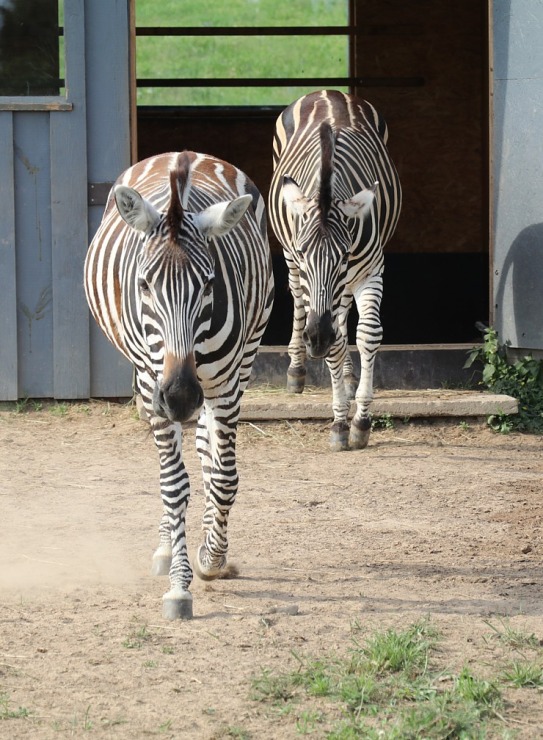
pixel 517 157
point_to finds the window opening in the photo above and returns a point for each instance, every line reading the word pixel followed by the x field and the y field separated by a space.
pixel 240 53
pixel 31 48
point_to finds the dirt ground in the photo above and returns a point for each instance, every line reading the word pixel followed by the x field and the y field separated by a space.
pixel 441 519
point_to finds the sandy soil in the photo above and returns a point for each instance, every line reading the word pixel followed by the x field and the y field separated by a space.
pixel 435 518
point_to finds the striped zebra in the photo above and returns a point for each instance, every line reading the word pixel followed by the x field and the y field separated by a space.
pixel 334 202
pixel 179 278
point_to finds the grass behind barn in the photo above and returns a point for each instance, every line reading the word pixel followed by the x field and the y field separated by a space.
pixel 237 56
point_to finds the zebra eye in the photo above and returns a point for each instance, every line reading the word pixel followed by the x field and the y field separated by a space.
pixel 300 254
pixel 143 285
pixel 208 286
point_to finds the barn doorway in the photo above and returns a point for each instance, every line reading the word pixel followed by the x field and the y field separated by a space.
pixel 424 65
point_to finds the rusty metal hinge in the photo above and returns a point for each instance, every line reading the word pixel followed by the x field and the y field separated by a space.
pixel 98 192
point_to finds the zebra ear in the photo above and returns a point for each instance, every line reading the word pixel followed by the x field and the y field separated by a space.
pixel 295 200
pixel 360 204
pixel 134 209
pixel 218 219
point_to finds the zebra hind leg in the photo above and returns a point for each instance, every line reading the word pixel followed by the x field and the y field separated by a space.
pixel 162 556
pixel 296 379
pixel 350 379
pixel 296 372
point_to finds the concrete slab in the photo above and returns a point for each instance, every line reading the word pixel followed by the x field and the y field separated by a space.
pixel 268 403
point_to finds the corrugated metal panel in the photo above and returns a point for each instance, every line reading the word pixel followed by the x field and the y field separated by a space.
pixel 517 181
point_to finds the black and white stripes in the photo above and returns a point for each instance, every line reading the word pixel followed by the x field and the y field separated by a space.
pixel 179 278
pixel 335 200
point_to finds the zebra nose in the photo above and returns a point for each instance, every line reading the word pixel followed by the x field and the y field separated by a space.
pixel 179 394
pixel 319 334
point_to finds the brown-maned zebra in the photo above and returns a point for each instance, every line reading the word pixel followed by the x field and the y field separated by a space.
pixel 334 202
pixel 179 278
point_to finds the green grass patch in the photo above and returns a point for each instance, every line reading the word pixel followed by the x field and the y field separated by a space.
pixel 387 685
pixel 7 711
pixel 137 637
pixel 234 57
pixel 523 674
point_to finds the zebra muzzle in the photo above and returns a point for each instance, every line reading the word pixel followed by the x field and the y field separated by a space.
pixel 179 394
pixel 319 334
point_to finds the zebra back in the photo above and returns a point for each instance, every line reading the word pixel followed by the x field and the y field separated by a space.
pixel 360 158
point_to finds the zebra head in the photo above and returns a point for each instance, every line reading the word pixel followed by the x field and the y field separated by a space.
pixel 322 243
pixel 175 275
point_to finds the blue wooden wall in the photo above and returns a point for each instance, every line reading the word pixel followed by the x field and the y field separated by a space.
pixel 50 149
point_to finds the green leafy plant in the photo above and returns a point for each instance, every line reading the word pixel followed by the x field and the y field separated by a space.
pixel 382 421
pixel 521 378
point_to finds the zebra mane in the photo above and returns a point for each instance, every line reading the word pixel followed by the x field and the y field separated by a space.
pixel 179 189
pixel 328 141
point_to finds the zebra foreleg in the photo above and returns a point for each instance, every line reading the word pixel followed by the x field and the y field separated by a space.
pixel 369 335
pixel 171 555
pixel 210 561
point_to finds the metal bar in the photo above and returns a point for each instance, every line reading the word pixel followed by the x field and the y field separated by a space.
pixel 318 82
pixel 244 31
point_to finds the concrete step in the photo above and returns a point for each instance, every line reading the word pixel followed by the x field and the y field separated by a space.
pixel 261 402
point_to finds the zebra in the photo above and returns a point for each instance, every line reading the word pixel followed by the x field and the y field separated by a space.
pixel 179 278
pixel 334 202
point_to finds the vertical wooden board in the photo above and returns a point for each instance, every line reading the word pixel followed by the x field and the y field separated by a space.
pixel 69 246
pixel 69 221
pixel 8 293
pixel 33 250
pixel 107 59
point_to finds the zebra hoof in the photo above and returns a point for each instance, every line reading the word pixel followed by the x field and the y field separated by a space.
pixel 360 433
pixel 339 437
pixel 204 570
pixel 162 560
pixel 295 380
pixel 177 604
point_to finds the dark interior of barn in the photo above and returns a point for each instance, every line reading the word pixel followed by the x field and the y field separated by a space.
pixel 424 66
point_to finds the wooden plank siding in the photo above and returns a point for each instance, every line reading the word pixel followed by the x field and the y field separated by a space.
pixel 108 144
pixel 69 239
pixel 8 286
pixel 51 148
pixel 32 243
